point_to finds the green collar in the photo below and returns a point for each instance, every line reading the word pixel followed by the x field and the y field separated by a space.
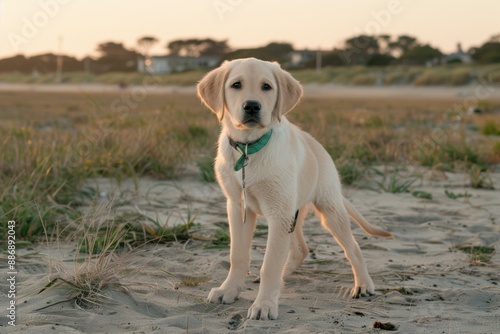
pixel 249 148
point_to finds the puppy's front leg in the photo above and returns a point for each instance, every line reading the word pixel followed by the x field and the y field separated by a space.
pixel 241 240
pixel 278 244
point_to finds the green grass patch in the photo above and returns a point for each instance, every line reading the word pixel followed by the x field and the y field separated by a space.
pixel 444 76
pixel 261 230
pixel 453 195
pixel 421 194
pixel 350 171
pixel 221 239
pixel 393 182
pixel 478 254
pixel 479 179
pixel 158 232
pixel 206 168
pixel 490 128
pixel 448 154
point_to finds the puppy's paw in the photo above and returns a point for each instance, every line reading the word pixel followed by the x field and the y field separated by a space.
pixel 227 295
pixel 263 310
pixel 363 289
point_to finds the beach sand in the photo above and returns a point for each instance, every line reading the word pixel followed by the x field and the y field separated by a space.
pixel 424 283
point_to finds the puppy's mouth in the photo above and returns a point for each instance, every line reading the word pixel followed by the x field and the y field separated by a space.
pixel 251 122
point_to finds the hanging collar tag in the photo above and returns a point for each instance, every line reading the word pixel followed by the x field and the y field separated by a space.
pixel 246 149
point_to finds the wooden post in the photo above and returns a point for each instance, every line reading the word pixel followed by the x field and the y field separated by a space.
pixel 59 62
pixel 318 60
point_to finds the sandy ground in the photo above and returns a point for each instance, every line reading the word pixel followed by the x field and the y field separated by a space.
pixel 445 293
pixel 479 91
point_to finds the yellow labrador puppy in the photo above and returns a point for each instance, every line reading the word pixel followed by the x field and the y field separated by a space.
pixel 267 166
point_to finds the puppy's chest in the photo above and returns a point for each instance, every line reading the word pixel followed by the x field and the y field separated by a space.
pixel 251 182
pixel 253 202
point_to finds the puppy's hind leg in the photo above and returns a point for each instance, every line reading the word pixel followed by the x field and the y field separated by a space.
pixel 298 246
pixel 335 219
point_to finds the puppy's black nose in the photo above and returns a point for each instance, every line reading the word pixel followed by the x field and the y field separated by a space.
pixel 251 107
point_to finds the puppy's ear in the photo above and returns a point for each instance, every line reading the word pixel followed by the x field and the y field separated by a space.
pixel 211 89
pixel 289 92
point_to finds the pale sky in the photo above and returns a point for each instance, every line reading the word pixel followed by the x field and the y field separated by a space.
pixel 35 26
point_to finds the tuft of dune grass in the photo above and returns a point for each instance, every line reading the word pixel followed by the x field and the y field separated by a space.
pixel 101 261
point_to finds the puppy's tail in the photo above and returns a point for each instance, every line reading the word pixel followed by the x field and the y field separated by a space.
pixel 363 223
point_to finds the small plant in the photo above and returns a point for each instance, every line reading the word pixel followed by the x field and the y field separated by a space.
pixel 100 267
pixel 496 148
pixel 447 154
pixel 478 254
pixel 191 281
pixel 479 179
pixel 112 237
pixel 374 121
pixel 453 195
pixel 349 172
pixel 222 239
pixel 141 229
pixel 450 152
pixel 490 128
pixel 261 230
pixel 405 291
pixel 185 280
pixel 394 184
pixel 422 194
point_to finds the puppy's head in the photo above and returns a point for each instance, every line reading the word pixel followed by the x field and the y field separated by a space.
pixel 251 93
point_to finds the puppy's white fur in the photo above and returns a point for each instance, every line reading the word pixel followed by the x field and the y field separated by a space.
pixel 291 172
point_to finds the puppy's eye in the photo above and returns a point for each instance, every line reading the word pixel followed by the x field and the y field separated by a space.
pixel 266 87
pixel 236 85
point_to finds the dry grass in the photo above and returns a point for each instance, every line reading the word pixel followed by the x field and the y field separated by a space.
pixel 132 78
pixel 449 75
pixel 53 142
pixel 99 263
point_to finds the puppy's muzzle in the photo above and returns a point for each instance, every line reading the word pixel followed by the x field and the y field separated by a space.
pixel 251 112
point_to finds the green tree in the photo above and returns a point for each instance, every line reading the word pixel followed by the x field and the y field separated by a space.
pixel 272 52
pixel 380 59
pixel 334 58
pixel 487 53
pixel 115 57
pixel 359 49
pixel 419 55
pixel 197 47
pixel 403 44
pixel 146 43
pixel 384 44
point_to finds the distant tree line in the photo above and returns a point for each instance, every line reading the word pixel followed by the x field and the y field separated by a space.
pixel 364 50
